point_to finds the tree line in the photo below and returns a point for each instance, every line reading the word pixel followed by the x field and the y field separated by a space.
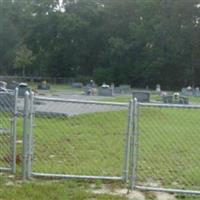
pixel 137 42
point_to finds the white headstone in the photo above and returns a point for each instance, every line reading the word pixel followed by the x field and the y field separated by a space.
pixel 158 89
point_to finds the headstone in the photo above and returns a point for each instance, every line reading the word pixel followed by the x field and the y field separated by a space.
pixel 197 91
pixel 91 88
pixel 3 84
pixel 141 96
pixel 103 91
pixel 43 86
pixel 189 91
pixel 23 87
pixel 158 88
pixel 168 99
pixel 77 85
pixel 125 89
pixel 117 90
pixel 122 89
pixel 175 99
pixel 104 85
pixel 92 84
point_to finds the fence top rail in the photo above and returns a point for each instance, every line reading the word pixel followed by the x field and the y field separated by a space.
pixel 163 105
pixel 81 101
pixel 9 92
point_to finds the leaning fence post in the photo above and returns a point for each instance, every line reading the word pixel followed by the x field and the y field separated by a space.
pixel 25 136
pixel 127 145
pixel 134 144
pixel 30 139
pixel 14 132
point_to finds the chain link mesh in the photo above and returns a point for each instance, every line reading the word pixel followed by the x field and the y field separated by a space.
pixel 79 138
pixel 169 147
pixel 6 115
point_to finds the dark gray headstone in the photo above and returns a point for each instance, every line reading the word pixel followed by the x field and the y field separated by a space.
pixel 176 100
pixel 23 87
pixel 105 91
pixel 141 96
pixel 117 90
pixel 77 85
pixel 187 92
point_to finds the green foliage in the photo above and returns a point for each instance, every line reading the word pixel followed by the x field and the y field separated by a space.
pixel 102 75
pixel 131 41
pixel 24 58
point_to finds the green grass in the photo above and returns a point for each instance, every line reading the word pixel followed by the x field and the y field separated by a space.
pixel 169 152
pixel 51 190
pixel 93 144
pixel 81 145
pixel 194 99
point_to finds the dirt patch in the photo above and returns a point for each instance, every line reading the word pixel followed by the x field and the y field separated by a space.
pixel 133 195
pixel 165 196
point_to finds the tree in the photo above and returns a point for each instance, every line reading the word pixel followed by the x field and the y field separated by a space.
pixel 131 41
pixel 24 59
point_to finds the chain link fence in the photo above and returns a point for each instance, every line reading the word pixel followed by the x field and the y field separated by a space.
pixel 8 111
pixel 167 148
pixel 154 147
pixel 77 139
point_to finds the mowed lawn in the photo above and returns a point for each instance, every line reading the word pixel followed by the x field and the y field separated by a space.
pixel 169 148
pixel 88 144
pixel 51 190
pixel 93 144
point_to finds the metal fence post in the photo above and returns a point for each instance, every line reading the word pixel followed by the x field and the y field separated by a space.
pixel 14 132
pixel 127 145
pixel 134 144
pixel 25 136
pixel 30 139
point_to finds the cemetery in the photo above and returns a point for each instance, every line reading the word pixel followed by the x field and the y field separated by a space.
pixel 79 115
pixel 100 100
